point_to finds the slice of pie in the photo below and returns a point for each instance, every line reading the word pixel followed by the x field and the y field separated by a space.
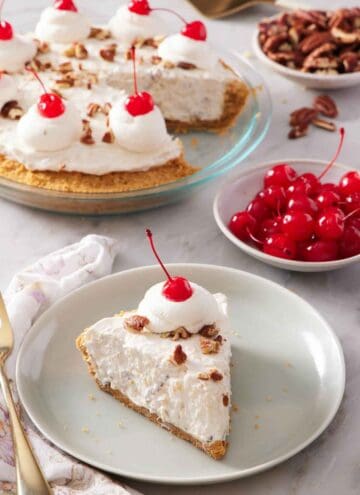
pixel 169 360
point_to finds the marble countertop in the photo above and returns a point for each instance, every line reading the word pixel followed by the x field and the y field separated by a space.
pixel 186 232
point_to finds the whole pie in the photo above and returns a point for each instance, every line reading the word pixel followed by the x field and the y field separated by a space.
pixel 110 95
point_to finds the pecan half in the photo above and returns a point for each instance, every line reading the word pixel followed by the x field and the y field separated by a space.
pixel 136 322
pixel 42 47
pixel 225 400
pixel 179 357
pixel 302 117
pixel 325 105
pixel 324 124
pixel 350 61
pixel 313 41
pixel 208 346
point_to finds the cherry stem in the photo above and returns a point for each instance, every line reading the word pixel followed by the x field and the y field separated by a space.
pixel 37 77
pixel 150 237
pixel 1 7
pixel 253 238
pixel 162 9
pixel 340 145
pixel 357 210
pixel 133 58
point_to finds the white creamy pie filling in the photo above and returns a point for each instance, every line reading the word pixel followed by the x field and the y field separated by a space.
pixel 182 95
pixel 138 365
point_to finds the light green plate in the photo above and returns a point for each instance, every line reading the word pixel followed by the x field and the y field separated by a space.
pixel 287 379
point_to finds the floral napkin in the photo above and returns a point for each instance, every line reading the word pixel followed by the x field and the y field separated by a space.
pixel 30 293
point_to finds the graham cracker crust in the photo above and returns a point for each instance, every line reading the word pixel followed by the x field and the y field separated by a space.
pixel 116 182
pixel 234 101
pixel 216 450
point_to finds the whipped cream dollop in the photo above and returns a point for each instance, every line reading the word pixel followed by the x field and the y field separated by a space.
pixel 128 26
pixel 62 26
pixel 14 53
pixel 179 48
pixel 142 133
pixel 8 89
pixel 165 315
pixel 38 133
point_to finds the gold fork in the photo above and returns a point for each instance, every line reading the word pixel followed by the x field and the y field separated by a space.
pixel 29 478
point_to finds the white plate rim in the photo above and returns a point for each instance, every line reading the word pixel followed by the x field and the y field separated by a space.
pixel 248 249
pixel 186 481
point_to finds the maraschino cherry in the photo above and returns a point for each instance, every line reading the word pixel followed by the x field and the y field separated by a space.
pixel 140 7
pixel 49 105
pixel 6 30
pixel 65 5
pixel 196 30
pixel 176 289
pixel 138 103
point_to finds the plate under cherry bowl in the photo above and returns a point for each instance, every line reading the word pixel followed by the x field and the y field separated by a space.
pixel 239 191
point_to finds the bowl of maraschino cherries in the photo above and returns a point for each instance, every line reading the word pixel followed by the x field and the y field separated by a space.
pixel 302 215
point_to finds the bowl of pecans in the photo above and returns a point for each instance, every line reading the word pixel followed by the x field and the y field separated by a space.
pixel 318 49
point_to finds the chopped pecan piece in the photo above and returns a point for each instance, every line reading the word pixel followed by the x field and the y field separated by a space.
pixel 326 106
pixel 64 83
pixel 99 33
pixel 12 110
pixel 70 51
pixel 209 331
pixel 186 66
pixel 136 322
pixel 87 138
pixel 179 357
pixel 215 375
pixel 107 108
pixel 80 51
pixel 168 65
pixel 155 60
pixel 108 137
pixel 209 346
pixel 93 109
pixel 225 400
pixel 42 47
pixel 203 376
pixel 65 67
pixel 108 53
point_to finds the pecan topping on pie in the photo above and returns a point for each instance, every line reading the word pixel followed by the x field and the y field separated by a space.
pixel 136 322
pixel 179 356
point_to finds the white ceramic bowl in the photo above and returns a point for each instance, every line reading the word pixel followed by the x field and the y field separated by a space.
pixel 315 81
pixel 237 193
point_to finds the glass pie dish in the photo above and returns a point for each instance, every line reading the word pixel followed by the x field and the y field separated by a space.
pixel 214 154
